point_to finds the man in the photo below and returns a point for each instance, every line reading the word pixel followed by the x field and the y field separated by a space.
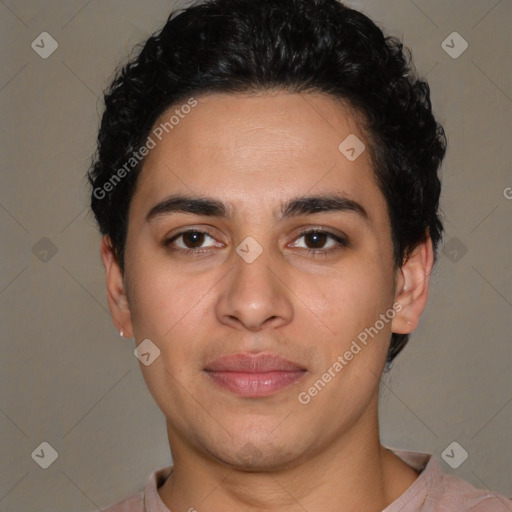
pixel 266 184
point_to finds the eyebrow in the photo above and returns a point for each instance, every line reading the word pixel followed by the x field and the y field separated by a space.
pixel 295 207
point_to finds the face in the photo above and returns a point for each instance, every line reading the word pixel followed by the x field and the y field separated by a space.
pixel 292 259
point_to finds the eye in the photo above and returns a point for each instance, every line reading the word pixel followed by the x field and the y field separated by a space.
pixel 317 238
pixel 191 240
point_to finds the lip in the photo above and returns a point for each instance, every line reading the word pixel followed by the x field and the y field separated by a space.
pixel 254 375
pixel 253 363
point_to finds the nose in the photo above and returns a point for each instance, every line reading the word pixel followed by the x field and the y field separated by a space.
pixel 254 295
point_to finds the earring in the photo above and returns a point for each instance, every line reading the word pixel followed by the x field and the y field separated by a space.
pixel 121 332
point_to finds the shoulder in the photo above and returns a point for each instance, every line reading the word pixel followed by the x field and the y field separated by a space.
pixel 453 493
pixel 134 503
pixel 148 498
pixel 435 491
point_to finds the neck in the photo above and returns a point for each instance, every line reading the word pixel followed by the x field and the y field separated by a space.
pixel 351 473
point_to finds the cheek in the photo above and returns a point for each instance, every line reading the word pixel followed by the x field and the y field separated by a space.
pixel 346 297
pixel 164 301
pixel 351 297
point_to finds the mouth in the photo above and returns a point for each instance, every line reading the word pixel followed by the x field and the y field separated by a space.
pixel 254 375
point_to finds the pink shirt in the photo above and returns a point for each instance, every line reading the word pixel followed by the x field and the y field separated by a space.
pixel 432 491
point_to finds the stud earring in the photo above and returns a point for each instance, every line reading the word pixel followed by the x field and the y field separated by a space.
pixel 121 332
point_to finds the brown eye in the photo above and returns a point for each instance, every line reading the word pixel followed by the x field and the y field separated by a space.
pixel 315 239
pixel 193 239
pixel 190 240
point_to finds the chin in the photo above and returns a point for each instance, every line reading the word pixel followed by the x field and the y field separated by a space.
pixel 258 455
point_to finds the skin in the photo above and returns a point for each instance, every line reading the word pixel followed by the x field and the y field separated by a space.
pixel 255 152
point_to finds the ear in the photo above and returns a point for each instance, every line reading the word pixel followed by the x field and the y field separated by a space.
pixel 116 294
pixel 412 286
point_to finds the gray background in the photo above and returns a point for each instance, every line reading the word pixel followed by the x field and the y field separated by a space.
pixel 67 377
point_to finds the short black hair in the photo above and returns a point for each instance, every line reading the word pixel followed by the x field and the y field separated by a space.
pixel 301 46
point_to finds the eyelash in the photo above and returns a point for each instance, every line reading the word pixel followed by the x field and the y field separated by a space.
pixel 342 242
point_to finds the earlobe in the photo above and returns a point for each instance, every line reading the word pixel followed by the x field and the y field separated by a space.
pixel 412 285
pixel 116 294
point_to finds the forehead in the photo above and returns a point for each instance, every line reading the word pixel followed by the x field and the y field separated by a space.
pixel 252 150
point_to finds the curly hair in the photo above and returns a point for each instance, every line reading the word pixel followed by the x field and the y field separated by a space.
pixel 297 46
